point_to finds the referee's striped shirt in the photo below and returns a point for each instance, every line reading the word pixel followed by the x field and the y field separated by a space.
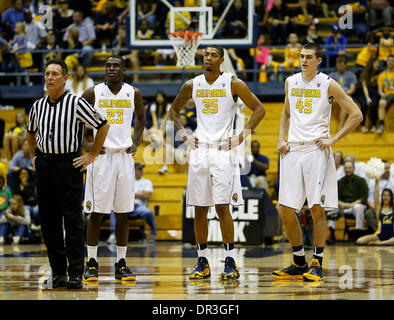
pixel 60 125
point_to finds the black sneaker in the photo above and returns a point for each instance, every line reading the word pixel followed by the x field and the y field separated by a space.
pixel 122 272
pixel 231 271
pixel 91 272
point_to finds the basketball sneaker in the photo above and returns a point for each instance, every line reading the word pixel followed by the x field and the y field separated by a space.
pixel 294 271
pixel 315 272
pixel 122 272
pixel 201 269
pixel 91 272
pixel 230 270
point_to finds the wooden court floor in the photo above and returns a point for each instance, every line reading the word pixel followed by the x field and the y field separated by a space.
pixel 351 272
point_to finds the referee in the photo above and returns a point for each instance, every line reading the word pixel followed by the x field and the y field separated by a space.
pixel 55 132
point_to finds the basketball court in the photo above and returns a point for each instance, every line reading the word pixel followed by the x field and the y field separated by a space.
pixel 351 273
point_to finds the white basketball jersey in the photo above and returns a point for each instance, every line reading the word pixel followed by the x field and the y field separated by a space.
pixel 215 108
pixel 118 110
pixel 310 108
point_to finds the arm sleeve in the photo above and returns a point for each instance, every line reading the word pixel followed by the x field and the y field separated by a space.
pixel 88 115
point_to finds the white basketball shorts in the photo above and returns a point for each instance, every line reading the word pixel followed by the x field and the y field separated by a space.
pixel 110 182
pixel 307 172
pixel 214 178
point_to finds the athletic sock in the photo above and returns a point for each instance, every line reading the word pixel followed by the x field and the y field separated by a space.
pixel 229 250
pixel 92 252
pixel 202 250
pixel 121 252
pixel 299 255
pixel 318 254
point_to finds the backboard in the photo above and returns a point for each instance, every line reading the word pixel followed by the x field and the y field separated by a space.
pixel 199 18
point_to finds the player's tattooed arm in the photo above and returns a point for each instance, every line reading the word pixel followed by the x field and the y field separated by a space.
pixel 185 93
pixel 139 121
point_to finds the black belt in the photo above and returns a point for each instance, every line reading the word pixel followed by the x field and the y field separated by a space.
pixel 57 156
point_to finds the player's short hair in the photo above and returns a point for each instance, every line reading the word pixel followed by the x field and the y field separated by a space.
pixel 315 47
pixel 340 59
pixel 58 62
pixel 122 60
pixel 218 48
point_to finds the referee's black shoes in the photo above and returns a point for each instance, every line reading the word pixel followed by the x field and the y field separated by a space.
pixel 75 282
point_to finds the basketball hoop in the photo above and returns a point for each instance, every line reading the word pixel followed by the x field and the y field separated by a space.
pixel 185 44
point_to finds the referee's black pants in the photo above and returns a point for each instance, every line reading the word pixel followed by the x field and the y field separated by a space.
pixel 59 191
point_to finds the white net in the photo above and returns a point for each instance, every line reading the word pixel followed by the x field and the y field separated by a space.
pixel 185 44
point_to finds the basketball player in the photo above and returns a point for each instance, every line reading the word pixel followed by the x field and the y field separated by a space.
pixel 213 178
pixel 110 179
pixel 307 168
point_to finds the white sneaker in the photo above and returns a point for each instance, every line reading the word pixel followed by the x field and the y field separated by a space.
pixel 2 240
pixel 364 129
pixel 16 239
pixel 163 169
pixel 380 129
pixel 373 129
pixel 111 238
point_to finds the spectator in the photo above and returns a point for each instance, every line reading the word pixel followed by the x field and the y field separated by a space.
pixel 258 168
pixel 52 45
pixel 86 37
pixel 386 91
pixel 14 137
pixel 338 158
pixel 143 191
pixel 16 218
pixel 278 22
pixel 352 196
pixel 369 99
pixel 191 114
pixel 292 53
pixel 368 52
pixel 217 10
pixel 359 167
pixel 312 36
pixel 21 159
pixel 359 9
pixel 105 23
pixel 35 32
pixel 384 235
pixel 71 58
pixel 4 51
pixel 180 23
pixel 20 57
pixel 14 15
pixel 121 10
pixel 335 45
pixel 79 82
pixel 5 195
pixel 241 60
pixel 386 181
pixel 146 11
pixel 386 47
pixel 63 18
pixel 237 19
pixel 347 80
pixel 262 16
pixel 303 16
pixel 27 190
pixel 382 6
